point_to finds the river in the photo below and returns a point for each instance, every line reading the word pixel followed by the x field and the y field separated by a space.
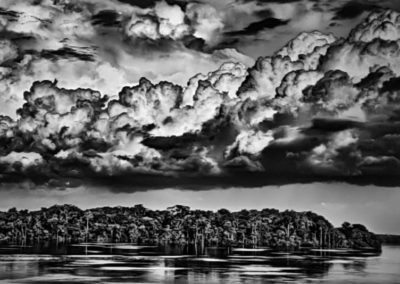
pixel 115 263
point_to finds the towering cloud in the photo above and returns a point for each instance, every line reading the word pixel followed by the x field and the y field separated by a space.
pixel 301 53
pixel 318 108
pixel 384 26
pixel 165 22
pixel 83 44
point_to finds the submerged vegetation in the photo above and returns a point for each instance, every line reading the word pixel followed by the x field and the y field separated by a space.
pixel 180 225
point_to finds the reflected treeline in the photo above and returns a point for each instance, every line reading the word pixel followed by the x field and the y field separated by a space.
pixel 180 225
pixel 125 263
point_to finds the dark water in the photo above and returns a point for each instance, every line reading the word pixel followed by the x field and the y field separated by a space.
pixel 132 264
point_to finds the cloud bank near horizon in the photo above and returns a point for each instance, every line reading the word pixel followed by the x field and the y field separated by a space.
pixel 321 108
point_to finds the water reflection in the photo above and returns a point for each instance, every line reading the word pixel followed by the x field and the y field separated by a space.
pixel 110 263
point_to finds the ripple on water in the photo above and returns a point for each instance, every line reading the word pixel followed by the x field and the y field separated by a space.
pixel 57 277
pixel 208 259
pixel 258 270
pixel 335 250
pixel 24 257
pixel 250 249
pixel 89 262
pixel 263 268
pixel 131 247
pixel 113 245
pixel 340 261
pixel 92 256
pixel 132 268
pixel 272 273
pixel 175 256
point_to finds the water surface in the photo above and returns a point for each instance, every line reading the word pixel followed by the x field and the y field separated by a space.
pixel 110 263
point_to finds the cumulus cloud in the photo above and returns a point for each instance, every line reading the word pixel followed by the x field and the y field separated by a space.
pixel 21 161
pixel 337 156
pixel 356 58
pixel 301 53
pixel 79 45
pixel 227 79
pixel 306 43
pixel 206 20
pixel 289 94
pixel 384 26
pixel 165 22
pixel 318 108
pixel 250 143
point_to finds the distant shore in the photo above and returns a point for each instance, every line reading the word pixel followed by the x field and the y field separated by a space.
pixel 67 224
pixel 389 239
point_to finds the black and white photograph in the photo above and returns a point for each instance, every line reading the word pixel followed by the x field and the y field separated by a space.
pixel 200 141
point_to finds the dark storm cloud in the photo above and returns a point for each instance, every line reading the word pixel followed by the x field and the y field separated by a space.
pixel 108 18
pixel 194 43
pixel 9 13
pixel 171 142
pixel 392 85
pixel 66 53
pixel 139 3
pixel 254 28
pixel 152 3
pixel 353 9
pixel 271 1
pixel 333 125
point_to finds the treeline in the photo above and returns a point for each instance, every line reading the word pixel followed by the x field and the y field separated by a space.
pixel 180 225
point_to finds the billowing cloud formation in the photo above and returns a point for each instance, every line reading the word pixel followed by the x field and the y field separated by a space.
pixel 302 53
pixel 384 26
pixel 83 44
pixel 320 108
pixel 170 21
pixel 306 43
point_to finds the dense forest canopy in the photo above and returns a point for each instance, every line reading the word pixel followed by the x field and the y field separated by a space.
pixel 181 225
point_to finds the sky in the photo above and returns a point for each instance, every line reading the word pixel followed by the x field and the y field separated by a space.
pixel 292 104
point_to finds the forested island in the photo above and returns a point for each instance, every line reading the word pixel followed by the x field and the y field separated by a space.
pixel 66 224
